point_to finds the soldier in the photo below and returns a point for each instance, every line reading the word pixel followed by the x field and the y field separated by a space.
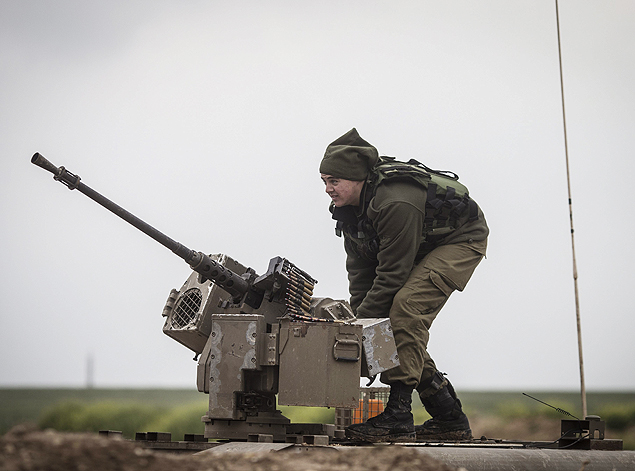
pixel 408 247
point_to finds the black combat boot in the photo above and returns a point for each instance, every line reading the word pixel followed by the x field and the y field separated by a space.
pixel 448 421
pixel 394 424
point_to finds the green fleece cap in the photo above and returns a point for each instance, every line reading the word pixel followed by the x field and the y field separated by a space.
pixel 349 157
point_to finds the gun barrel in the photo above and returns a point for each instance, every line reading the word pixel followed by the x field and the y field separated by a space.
pixel 198 261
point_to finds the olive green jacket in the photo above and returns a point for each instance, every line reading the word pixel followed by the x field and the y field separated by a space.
pixel 379 263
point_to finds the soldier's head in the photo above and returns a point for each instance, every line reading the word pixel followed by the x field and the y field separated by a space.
pixel 345 167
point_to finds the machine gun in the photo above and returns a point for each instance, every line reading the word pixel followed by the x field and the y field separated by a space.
pixel 270 337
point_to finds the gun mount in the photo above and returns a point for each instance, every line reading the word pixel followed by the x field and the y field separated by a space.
pixel 260 337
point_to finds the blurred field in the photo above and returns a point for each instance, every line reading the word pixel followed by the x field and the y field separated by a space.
pixel 508 415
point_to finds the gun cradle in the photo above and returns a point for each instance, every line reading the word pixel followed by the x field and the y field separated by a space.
pixel 249 356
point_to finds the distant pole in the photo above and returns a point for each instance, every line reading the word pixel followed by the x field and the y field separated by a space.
pixel 575 267
pixel 90 371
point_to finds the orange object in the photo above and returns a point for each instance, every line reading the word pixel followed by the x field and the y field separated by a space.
pixel 375 407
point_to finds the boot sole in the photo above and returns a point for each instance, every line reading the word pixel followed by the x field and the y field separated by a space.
pixel 392 438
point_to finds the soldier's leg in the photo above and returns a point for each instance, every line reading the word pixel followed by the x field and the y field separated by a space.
pixel 454 265
pixel 410 328
pixel 448 421
pixel 414 308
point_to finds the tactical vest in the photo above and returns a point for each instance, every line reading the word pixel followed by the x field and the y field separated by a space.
pixel 447 201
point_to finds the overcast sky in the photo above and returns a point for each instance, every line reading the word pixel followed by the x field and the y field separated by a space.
pixel 208 119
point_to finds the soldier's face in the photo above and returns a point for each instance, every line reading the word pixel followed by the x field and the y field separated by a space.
pixel 342 192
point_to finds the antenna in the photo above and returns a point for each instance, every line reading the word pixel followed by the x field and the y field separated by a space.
pixel 575 267
pixel 562 411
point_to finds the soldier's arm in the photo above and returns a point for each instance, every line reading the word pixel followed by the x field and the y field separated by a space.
pixel 399 226
pixel 361 274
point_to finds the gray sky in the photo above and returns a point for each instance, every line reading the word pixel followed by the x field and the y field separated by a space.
pixel 208 120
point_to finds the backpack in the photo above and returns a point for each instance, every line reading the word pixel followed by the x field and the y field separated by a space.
pixel 447 199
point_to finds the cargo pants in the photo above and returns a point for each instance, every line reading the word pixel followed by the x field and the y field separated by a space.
pixel 415 306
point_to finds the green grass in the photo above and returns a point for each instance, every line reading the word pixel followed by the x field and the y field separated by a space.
pixel 501 402
pixel 20 405
pixel 179 411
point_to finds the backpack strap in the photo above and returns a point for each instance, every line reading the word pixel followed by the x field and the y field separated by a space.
pixel 443 173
